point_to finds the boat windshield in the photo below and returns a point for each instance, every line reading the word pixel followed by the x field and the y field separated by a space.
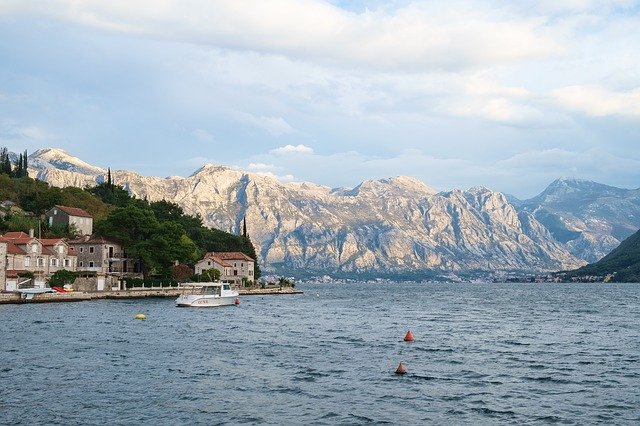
pixel 215 290
pixel 226 287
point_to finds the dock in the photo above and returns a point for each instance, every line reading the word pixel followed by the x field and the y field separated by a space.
pixel 80 296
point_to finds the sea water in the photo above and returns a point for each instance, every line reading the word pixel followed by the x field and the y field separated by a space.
pixel 483 354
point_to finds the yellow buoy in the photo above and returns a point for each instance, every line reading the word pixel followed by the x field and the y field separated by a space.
pixel 141 316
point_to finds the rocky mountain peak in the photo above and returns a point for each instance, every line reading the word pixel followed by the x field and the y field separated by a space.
pixel 394 226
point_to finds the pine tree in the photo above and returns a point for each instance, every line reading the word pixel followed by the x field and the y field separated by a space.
pixel 17 170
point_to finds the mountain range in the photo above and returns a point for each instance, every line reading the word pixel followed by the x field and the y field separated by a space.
pixel 396 227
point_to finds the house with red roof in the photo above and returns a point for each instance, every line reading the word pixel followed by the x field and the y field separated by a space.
pixel 74 217
pixel 233 266
pixel 41 257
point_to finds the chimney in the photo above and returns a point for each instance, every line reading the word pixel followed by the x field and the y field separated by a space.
pixel 31 233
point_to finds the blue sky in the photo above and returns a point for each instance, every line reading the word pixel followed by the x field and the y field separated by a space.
pixel 509 95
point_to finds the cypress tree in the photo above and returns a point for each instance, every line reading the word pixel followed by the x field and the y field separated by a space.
pixel 244 227
pixel 26 164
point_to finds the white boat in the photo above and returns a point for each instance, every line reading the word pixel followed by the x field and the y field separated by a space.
pixel 208 294
pixel 30 293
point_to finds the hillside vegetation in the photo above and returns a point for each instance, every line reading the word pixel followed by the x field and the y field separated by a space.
pixel 623 263
pixel 156 233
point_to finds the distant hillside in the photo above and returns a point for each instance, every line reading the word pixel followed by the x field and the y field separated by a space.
pixel 623 262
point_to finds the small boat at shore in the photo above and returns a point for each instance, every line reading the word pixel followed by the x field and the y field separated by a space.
pixel 202 295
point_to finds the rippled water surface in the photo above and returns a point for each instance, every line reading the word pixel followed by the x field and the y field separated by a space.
pixel 484 354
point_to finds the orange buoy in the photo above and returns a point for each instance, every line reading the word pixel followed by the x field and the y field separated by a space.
pixel 237 302
pixel 408 337
pixel 401 369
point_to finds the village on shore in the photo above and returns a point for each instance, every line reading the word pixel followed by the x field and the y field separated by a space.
pixel 100 267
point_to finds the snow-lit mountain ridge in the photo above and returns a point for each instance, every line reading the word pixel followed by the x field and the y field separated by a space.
pixel 388 226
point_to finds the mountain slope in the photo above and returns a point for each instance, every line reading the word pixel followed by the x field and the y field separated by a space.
pixel 392 226
pixel 589 218
pixel 623 262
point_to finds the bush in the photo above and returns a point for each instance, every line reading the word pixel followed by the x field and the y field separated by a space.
pixel 62 277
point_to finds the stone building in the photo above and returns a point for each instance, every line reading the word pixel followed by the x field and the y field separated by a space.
pixel 100 255
pixel 74 217
pixel 233 266
pixel 41 257
pixel 3 265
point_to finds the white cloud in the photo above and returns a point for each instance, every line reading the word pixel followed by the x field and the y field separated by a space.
pixel 260 167
pixel 599 102
pixel 292 149
pixel 202 135
pixel 420 35
pixel 276 126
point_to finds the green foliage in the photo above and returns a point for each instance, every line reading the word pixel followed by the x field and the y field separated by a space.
pixel 286 282
pixel 76 197
pixel 62 277
pixel 623 261
pixel 18 222
pixel 212 274
pixel 156 244
pixel 157 233
pixel 5 162
pixel 111 194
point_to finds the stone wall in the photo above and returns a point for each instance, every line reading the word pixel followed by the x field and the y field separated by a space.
pixel 3 265
pixel 91 283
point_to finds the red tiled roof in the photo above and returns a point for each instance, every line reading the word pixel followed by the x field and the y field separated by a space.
pixel 11 247
pixel 93 239
pixel 74 211
pixel 50 241
pixel 216 259
pixel 15 235
pixel 230 255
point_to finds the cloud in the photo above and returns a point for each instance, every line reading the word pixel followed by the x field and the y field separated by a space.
pixel 418 36
pixel 599 102
pixel 260 167
pixel 275 126
pixel 292 149
pixel 202 135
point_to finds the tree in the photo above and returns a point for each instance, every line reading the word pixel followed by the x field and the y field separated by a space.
pixel 5 162
pixel 212 274
pixel 62 277
pixel 156 245
pixel 111 194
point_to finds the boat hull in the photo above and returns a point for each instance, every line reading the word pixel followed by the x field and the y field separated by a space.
pixel 204 301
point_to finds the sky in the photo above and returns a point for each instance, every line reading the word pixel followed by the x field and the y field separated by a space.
pixel 503 94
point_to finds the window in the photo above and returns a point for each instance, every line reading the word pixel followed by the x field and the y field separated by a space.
pixel 235 265
pixel 209 263
pixel 40 261
pixel 235 272
pixel 81 263
pixel 60 249
pixel 90 264
pixel 250 272
pixel 34 248
pixel 67 263
pixel 81 249
pixel 90 249
pixel 27 262
pixel 53 262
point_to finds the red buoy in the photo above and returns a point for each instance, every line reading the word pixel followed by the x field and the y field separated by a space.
pixel 408 337
pixel 401 369
pixel 237 302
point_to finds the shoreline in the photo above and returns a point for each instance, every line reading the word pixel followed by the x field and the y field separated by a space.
pixel 80 296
